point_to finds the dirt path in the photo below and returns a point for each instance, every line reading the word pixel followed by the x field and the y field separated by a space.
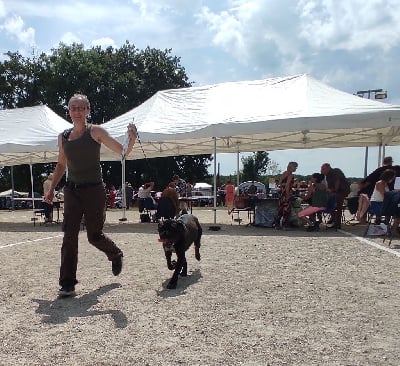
pixel 258 297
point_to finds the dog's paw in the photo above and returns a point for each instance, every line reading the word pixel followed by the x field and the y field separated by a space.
pixel 197 255
pixel 171 286
pixel 172 266
pixel 183 274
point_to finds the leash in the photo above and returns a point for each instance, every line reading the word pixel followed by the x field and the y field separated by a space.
pixel 141 147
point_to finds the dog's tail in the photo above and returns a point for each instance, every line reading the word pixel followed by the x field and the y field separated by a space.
pixel 197 242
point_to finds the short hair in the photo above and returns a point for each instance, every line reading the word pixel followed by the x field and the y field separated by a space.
pixel 387 175
pixel 78 96
pixel 293 163
pixel 318 177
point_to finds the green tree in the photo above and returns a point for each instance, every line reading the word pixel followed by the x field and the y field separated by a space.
pixel 255 165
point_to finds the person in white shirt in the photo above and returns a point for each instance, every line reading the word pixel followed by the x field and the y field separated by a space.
pixel 381 186
pixel 146 201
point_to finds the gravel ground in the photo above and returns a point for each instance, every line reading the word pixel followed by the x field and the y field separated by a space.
pixel 258 297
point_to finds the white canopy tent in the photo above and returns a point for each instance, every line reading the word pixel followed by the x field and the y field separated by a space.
pixel 29 135
pixel 297 112
pixel 272 114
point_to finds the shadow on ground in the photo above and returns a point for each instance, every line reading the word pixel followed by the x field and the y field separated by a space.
pixel 60 310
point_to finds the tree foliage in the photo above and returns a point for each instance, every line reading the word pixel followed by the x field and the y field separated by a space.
pixel 115 81
pixel 255 165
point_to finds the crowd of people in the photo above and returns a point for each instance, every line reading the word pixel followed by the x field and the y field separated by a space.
pixel 329 191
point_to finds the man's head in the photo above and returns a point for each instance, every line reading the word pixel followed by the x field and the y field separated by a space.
pixel 325 168
pixel 292 166
pixel 387 160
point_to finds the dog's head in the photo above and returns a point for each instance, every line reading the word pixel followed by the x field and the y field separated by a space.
pixel 170 231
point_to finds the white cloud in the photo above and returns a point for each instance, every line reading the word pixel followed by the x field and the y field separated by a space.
pixel 3 11
pixel 104 42
pixel 68 38
pixel 350 25
pixel 15 27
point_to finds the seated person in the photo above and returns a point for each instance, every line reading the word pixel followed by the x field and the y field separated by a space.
pixel 367 185
pixel 146 201
pixel 318 194
pixel 252 190
pixel 48 208
pixel 381 186
pixel 353 198
pixel 171 192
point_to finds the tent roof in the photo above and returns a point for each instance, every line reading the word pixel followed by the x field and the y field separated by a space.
pixel 29 135
pixel 297 112
pixel 202 186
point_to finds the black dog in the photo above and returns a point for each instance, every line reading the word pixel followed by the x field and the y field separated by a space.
pixel 177 236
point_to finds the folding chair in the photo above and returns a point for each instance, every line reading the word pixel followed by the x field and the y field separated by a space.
pixel 380 226
pixel 146 208
pixel 328 212
pixel 352 206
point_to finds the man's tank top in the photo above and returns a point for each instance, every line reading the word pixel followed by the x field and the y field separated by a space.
pixel 83 158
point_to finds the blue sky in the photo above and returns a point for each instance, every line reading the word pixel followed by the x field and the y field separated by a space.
pixel 350 45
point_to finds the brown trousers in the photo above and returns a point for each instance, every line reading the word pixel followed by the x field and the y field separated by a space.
pixel 88 202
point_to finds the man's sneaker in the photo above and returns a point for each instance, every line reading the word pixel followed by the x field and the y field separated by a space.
pixel 67 291
pixel 117 265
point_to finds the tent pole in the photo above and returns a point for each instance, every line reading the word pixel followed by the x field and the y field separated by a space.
pixel 215 227
pixel 12 188
pixel 379 155
pixel 366 162
pixel 123 218
pixel 380 150
pixel 237 168
pixel 215 180
pixel 33 197
pixel 123 158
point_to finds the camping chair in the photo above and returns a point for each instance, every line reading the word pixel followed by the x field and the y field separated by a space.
pixel 352 206
pixel 146 206
pixel 241 204
pixel 39 215
pixel 380 226
pixel 325 215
